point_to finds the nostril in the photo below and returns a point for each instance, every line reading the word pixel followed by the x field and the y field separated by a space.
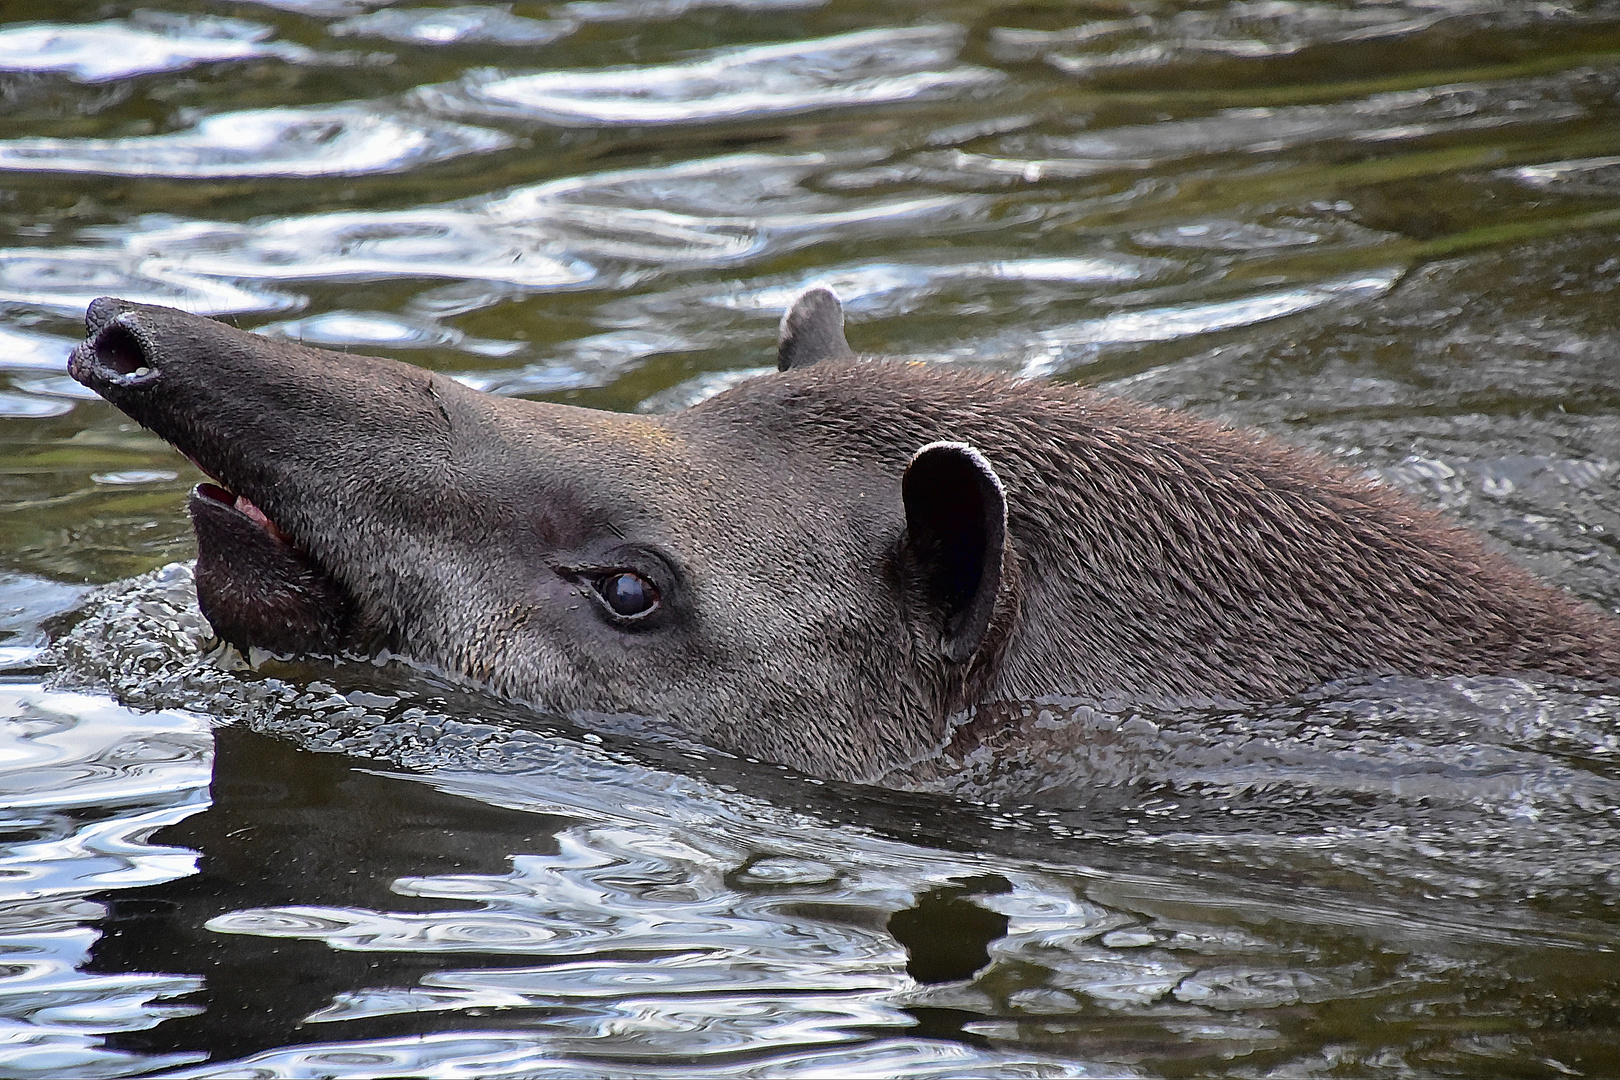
pixel 120 352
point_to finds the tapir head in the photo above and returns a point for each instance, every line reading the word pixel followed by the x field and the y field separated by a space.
pixel 782 571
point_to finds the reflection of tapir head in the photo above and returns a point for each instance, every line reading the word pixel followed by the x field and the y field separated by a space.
pixel 819 567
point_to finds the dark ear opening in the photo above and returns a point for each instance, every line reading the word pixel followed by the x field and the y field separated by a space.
pixel 812 330
pixel 956 527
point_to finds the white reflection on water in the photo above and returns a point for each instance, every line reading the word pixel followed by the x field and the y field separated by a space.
pixel 699 318
pixel 361 245
pixel 1387 117
pixel 718 209
pixel 505 1054
pixel 605 891
pixel 99 52
pixel 27 405
pixel 894 287
pixel 481 23
pixel 864 68
pixel 378 329
pixel 546 236
pixel 25 350
pixel 67 279
pixel 662 950
pixel 28 601
pixel 1060 347
pixel 1229 31
pixel 1582 176
pixel 89 781
pixel 56 386
pixel 624 1022
pixel 325 141
pixel 624 10
pixel 1226 235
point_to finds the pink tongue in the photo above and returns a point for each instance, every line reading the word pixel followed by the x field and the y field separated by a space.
pixel 245 505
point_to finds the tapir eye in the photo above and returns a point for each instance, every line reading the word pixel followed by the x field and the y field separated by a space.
pixel 628 595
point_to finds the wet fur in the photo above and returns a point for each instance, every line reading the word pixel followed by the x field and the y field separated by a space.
pixel 1164 556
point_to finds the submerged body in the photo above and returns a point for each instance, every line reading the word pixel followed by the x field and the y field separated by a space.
pixel 820 567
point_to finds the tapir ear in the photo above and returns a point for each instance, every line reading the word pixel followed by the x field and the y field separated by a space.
pixel 812 330
pixel 956 527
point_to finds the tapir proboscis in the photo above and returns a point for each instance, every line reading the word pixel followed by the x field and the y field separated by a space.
pixel 821 567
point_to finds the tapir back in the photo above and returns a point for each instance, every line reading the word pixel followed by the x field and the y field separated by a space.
pixel 1162 557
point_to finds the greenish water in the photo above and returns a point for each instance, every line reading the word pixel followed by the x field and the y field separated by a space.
pixel 1389 232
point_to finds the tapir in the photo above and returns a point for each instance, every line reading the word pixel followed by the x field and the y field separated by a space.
pixel 823 567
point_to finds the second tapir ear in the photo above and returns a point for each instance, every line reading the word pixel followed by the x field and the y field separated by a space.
pixel 812 330
pixel 956 529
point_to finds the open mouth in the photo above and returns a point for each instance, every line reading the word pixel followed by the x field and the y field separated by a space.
pixel 256 586
pixel 242 505
pixel 236 407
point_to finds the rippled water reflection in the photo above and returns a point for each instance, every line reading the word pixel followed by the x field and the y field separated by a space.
pixel 1387 232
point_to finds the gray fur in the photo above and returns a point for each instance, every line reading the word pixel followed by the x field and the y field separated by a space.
pixel 812 330
pixel 1147 555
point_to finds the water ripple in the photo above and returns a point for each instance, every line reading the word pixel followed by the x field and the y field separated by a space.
pixel 1231 32
pixel 378 329
pixel 23 350
pixel 100 52
pixel 1061 347
pixel 78 749
pixel 1583 176
pixel 674 1026
pixel 868 67
pixel 643 10
pixel 337 140
pixel 712 211
pixel 890 288
pixel 1386 117
pixel 90 781
pixel 717 209
pixel 702 318
pixel 603 892
pixel 506 1054
pixel 67 279
pixel 31 406
pixel 358 245
pixel 481 23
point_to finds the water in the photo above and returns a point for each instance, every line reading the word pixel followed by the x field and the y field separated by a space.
pixel 1386 232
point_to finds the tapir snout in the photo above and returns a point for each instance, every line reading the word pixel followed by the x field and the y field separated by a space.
pixel 821 567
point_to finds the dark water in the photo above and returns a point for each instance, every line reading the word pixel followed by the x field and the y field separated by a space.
pixel 1390 232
